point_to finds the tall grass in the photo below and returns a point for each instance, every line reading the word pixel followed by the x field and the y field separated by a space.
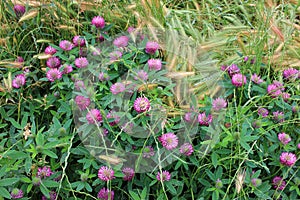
pixel 223 31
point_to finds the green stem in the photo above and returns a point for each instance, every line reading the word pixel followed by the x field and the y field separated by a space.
pixel 19 106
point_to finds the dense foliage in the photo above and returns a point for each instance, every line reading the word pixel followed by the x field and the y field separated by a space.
pixel 103 113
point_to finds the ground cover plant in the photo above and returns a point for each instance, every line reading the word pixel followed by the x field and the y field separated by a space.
pixel 149 100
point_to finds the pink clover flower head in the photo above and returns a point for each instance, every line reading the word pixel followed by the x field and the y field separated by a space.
pixel 164 176
pixel 286 96
pixel 128 174
pixel 100 38
pixel 154 64
pixel 238 80
pixel 121 41
pixel 291 74
pixel 19 10
pixel 262 112
pixel 20 59
pixel 105 132
pixel 79 84
pixel 186 149
pixel 53 62
pixel 224 68
pixel 16 193
pixel 52 196
pixel 256 182
pixel 298 145
pixel 66 45
pixel 94 116
pixel 284 138
pixel 233 69
pixel 295 108
pixel 218 104
pixel 66 69
pixel 278 183
pixel 44 172
pixel 113 115
pixel 98 21
pixel 169 140
pixel 151 47
pixel 219 183
pixel 148 152
pixel 141 104
pixel 106 194
pixel 117 88
pixel 279 85
pixel 204 120
pixel 26 70
pixel 256 79
pixel 141 75
pixel 130 29
pixel 78 41
pixel 116 55
pixel 103 76
pixel 278 116
pixel 273 91
pixel 53 74
pixel 105 173
pixel 81 62
pixel 82 102
pixel 288 159
pixel 19 81
pixel 141 36
pixel 50 50
pixel 190 117
pixel 256 124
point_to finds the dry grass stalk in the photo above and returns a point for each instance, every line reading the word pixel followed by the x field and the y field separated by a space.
pixel 7 83
pixel 292 24
pixel 276 30
pixel 30 3
pixel 27 131
pixel 186 107
pixel 9 64
pixel 2 89
pixel 84 6
pixel 295 64
pixel 240 178
pixel 179 75
pixel 294 2
pixel 269 3
pixel 112 159
pixel 279 48
pixel 60 7
pixel 147 87
pixel 3 41
pixel 70 28
pixel 289 63
pixel 170 102
pixel 29 15
pixel 174 114
pixel 42 56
